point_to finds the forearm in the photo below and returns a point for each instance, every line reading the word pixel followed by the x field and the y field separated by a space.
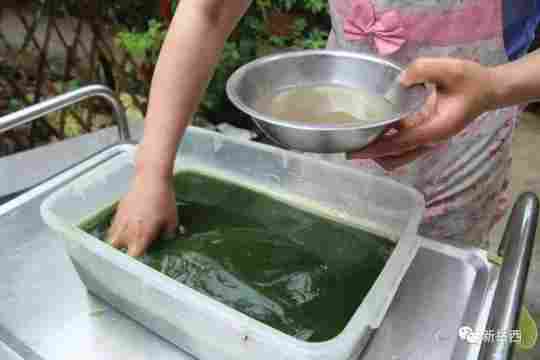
pixel 186 63
pixel 517 82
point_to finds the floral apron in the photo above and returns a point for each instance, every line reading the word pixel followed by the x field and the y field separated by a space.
pixel 464 180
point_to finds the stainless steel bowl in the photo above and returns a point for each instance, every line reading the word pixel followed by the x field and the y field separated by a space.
pixel 275 73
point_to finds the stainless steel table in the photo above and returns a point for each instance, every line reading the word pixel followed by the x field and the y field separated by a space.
pixel 46 313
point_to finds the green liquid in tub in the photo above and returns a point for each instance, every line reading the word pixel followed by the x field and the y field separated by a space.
pixel 297 272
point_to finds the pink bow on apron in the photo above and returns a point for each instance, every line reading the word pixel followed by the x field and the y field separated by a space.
pixel 385 29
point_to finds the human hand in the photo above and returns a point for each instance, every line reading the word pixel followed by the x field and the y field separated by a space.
pixel 463 91
pixel 148 209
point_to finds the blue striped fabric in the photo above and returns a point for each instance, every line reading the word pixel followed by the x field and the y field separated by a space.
pixel 520 18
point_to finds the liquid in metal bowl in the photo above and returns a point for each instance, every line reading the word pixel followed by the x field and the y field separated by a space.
pixel 276 73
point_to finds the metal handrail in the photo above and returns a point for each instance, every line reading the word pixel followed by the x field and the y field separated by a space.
pixel 517 245
pixel 59 102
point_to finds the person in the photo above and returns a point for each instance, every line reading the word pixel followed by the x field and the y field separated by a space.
pixel 456 151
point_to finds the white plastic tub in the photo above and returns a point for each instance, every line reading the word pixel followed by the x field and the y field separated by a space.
pixel 205 327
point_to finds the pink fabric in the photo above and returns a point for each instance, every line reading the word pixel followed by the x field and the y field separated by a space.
pixel 464 180
pixel 389 30
pixel 464 25
pixel 384 29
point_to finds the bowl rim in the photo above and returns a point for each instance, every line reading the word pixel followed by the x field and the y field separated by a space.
pixel 238 75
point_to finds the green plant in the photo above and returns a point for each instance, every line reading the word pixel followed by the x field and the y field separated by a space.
pixel 73 84
pixel 14 104
pixel 313 6
pixel 253 35
pixel 251 39
pixel 144 45
pixel 316 6
pixel 132 14
pixel 230 59
pixel 174 4
pixel 315 39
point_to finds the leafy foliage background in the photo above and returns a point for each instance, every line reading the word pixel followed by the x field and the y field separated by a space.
pixel 267 27
pixel 48 47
